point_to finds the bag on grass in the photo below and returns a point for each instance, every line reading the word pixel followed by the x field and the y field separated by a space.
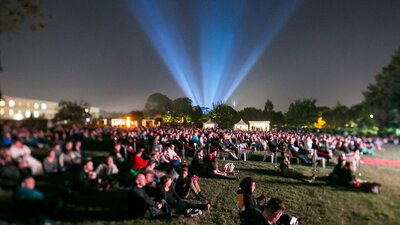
pixel 190 212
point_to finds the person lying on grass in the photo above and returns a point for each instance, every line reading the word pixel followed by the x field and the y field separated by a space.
pixel 287 171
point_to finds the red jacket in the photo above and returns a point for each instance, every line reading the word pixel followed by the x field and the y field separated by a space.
pixel 138 163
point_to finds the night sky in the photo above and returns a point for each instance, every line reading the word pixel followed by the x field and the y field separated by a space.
pixel 96 51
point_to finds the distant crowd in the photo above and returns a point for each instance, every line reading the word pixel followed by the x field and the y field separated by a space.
pixel 153 166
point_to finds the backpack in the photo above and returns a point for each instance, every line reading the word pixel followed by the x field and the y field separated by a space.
pixel 190 212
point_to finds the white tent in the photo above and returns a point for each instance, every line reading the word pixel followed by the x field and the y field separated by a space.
pixel 209 124
pixel 259 125
pixel 241 125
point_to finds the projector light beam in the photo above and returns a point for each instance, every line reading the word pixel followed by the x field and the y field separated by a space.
pixel 211 51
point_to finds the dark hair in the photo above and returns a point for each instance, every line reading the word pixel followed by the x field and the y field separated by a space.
pixel 274 205
pixel 245 185
pixel 164 179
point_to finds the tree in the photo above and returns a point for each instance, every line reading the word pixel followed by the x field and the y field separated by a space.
pixel 182 106
pixel 251 113
pixel 136 115
pixel 338 117
pixel 268 107
pixel 72 112
pixel 223 114
pixel 383 97
pixel 197 115
pixel 302 112
pixel 15 13
pixel 157 104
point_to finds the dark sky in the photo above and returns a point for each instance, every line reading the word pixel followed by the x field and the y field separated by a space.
pixel 96 51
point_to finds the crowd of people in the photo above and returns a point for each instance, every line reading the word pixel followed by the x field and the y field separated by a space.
pixel 151 163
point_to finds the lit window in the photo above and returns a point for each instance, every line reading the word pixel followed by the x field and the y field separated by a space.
pixel 1 111
pixel 2 103
pixel 87 120
pixel 43 106
pixel 36 105
pixel 11 103
pixel 11 112
pixel 18 116
pixel 36 114
pixel 86 110
pixel 28 113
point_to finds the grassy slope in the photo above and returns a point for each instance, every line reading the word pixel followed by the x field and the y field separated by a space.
pixel 315 203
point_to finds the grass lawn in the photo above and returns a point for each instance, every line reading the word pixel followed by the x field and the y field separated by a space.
pixel 314 204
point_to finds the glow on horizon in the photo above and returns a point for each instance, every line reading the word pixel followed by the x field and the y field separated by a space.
pixel 210 61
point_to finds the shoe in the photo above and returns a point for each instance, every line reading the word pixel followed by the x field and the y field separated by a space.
pixel 201 196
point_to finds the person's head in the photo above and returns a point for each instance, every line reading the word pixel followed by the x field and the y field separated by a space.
pixel 185 172
pixel 69 145
pixel 28 183
pixel 348 166
pixel 88 166
pixel 247 185
pixel 140 151
pixel 117 147
pixel 149 177
pixel 152 164
pixel 109 161
pixel 52 154
pixel 200 153
pixel 140 180
pixel 78 144
pixel 166 181
pixel 273 210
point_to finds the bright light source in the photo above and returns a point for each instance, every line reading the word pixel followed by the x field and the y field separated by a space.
pixel 1 111
pixel 87 120
pixel 86 110
pixel 11 103
pixel 128 122
pixel 43 106
pixel 2 103
pixel 28 114
pixel 36 114
pixel 36 105
pixel 11 112
pixel 371 116
pixel 18 116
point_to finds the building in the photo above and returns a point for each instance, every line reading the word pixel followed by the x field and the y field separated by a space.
pixel 259 125
pixel 241 125
pixel 16 108
pixel 209 124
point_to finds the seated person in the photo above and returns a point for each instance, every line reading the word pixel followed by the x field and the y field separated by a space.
pixel 29 202
pixel 212 171
pixel 299 152
pixel 138 162
pixel 267 214
pixel 140 201
pixel 185 184
pixel 246 199
pixel 21 154
pixel 347 179
pixel 177 204
pixel 87 180
pixel 7 168
pixel 197 166
pixel 287 171
pixel 50 163
pixel 69 158
pixel 108 173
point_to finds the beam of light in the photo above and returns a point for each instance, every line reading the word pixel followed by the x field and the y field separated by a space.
pixel 210 46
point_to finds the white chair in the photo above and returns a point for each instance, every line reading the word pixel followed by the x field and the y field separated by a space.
pixel 268 153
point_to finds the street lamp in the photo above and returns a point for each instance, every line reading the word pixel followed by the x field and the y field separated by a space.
pixel 371 116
